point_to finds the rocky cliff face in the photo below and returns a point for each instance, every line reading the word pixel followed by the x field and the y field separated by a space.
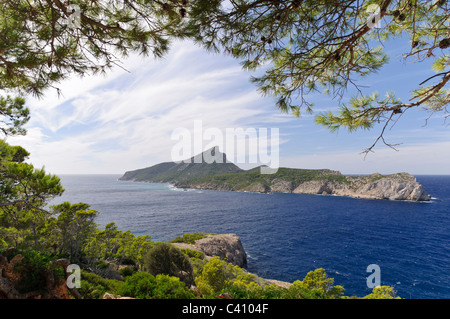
pixel 401 186
pixel 227 246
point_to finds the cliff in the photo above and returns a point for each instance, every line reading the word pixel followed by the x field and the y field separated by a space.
pixel 401 186
pixel 228 177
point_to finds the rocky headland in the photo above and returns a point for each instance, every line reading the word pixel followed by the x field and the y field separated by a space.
pixel 227 246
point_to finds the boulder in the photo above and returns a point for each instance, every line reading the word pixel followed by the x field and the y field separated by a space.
pixel 314 187
pixel 227 246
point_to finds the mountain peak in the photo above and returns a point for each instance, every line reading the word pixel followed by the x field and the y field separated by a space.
pixel 199 166
pixel 212 155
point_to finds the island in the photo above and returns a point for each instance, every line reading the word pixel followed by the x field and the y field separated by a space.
pixel 199 173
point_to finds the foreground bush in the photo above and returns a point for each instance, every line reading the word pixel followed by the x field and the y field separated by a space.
pixel 143 285
pixel 94 286
pixel 166 259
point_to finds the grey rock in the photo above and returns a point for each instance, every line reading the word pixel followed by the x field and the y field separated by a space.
pixel 227 246
pixel 401 186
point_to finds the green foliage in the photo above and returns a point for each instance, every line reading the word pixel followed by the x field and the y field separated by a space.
pixel 74 225
pixel 192 253
pixel 314 47
pixel 233 180
pixel 245 179
pixel 140 285
pixel 181 172
pixel 143 285
pixel 218 275
pixel 318 282
pixel 34 269
pixel 169 287
pixel 382 292
pixel 128 271
pixel 94 286
pixel 190 238
pixel 113 244
pixel 39 48
pixel 22 186
pixel 24 192
pixel 13 116
pixel 166 259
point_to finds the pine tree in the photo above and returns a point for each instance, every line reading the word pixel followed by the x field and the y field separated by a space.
pixel 309 46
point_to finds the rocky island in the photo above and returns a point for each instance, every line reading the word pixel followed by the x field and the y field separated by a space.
pixel 224 175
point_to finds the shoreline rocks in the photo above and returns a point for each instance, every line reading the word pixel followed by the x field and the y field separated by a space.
pixel 400 186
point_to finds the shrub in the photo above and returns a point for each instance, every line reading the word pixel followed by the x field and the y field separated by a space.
pixel 218 275
pixel 127 271
pixel 166 259
pixel 94 286
pixel 168 287
pixel 34 269
pixel 317 285
pixel 143 285
pixel 140 285
pixel 382 292
pixel 193 253
pixel 190 238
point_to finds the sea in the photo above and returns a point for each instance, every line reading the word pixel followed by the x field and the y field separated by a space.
pixel 287 235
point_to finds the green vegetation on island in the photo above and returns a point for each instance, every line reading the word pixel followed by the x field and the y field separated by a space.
pixel 194 172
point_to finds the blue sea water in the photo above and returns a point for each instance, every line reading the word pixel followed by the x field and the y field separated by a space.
pixel 288 235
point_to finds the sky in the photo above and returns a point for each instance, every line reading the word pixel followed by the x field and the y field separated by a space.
pixel 126 120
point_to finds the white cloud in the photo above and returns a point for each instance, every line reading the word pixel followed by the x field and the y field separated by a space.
pixel 125 121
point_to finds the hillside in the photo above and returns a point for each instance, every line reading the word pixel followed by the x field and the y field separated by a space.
pixel 229 177
pixel 194 168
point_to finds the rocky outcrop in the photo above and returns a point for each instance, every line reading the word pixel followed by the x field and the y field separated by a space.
pixel 11 276
pixel 257 188
pixel 315 187
pixel 279 185
pixel 227 246
pixel 401 186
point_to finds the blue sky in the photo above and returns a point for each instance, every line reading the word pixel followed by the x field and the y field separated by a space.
pixel 124 120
